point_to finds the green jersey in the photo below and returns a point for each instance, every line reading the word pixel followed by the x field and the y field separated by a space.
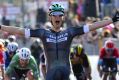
pixel 32 65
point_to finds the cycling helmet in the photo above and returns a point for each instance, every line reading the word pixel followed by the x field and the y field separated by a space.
pixel 56 9
pixel 109 44
pixel 3 41
pixel 6 42
pixel 12 46
pixel 24 53
pixel 37 41
pixel 78 49
pixel 12 38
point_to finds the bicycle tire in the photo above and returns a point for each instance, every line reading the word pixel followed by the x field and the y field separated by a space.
pixel 110 77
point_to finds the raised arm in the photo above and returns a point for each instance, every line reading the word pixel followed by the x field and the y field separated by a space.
pixel 13 30
pixel 99 24
pixel 103 23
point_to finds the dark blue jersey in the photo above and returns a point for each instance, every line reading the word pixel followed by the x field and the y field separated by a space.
pixel 57 44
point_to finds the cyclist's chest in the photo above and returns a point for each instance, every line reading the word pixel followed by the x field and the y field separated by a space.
pixel 56 37
pixel 18 65
pixel 109 55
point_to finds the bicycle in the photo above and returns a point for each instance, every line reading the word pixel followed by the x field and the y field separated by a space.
pixel 110 73
pixel 109 68
pixel 19 74
pixel 80 76
pixel 22 78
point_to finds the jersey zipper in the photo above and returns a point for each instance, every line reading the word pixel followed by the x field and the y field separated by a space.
pixel 56 46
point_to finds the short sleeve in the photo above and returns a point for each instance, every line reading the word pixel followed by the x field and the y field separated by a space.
pixel 34 33
pixel 74 31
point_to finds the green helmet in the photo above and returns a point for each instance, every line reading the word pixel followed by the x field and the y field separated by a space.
pixel 56 9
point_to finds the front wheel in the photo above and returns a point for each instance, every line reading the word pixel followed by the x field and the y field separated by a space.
pixel 111 78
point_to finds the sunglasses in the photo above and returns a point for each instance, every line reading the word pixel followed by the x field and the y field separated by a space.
pixel 24 60
pixel 109 50
pixel 11 52
pixel 57 14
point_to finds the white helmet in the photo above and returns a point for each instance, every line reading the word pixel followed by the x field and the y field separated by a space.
pixel 12 38
pixel 12 46
pixel 24 53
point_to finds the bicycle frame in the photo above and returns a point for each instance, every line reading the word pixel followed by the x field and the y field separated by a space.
pixel 110 76
pixel 22 78
pixel 110 73
pixel 82 76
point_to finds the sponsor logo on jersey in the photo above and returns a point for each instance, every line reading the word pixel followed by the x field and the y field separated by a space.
pixel 56 39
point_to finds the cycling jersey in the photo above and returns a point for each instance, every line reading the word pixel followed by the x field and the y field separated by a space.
pixel 83 60
pixel 103 53
pixel 8 58
pixel 56 45
pixel 14 65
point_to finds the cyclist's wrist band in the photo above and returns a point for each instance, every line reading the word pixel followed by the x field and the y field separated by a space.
pixel 27 33
pixel 86 28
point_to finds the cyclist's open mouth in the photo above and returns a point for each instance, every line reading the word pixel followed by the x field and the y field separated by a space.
pixel 57 22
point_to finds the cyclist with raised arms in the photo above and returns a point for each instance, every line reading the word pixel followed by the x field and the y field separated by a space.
pixel 108 58
pixel 23 65
pixel 57 41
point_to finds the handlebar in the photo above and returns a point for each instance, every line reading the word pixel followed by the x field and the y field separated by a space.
pixel 105 68
pixel 111 70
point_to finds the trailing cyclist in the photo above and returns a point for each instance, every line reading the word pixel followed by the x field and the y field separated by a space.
pixel 108 59
pixel 80 63
pixel 12 47
pixel 36 50
pixel 23 65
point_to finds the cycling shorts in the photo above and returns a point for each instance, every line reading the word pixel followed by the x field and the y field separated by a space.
pixel 58 73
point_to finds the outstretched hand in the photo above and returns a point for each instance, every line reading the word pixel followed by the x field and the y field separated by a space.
pixel 116 17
